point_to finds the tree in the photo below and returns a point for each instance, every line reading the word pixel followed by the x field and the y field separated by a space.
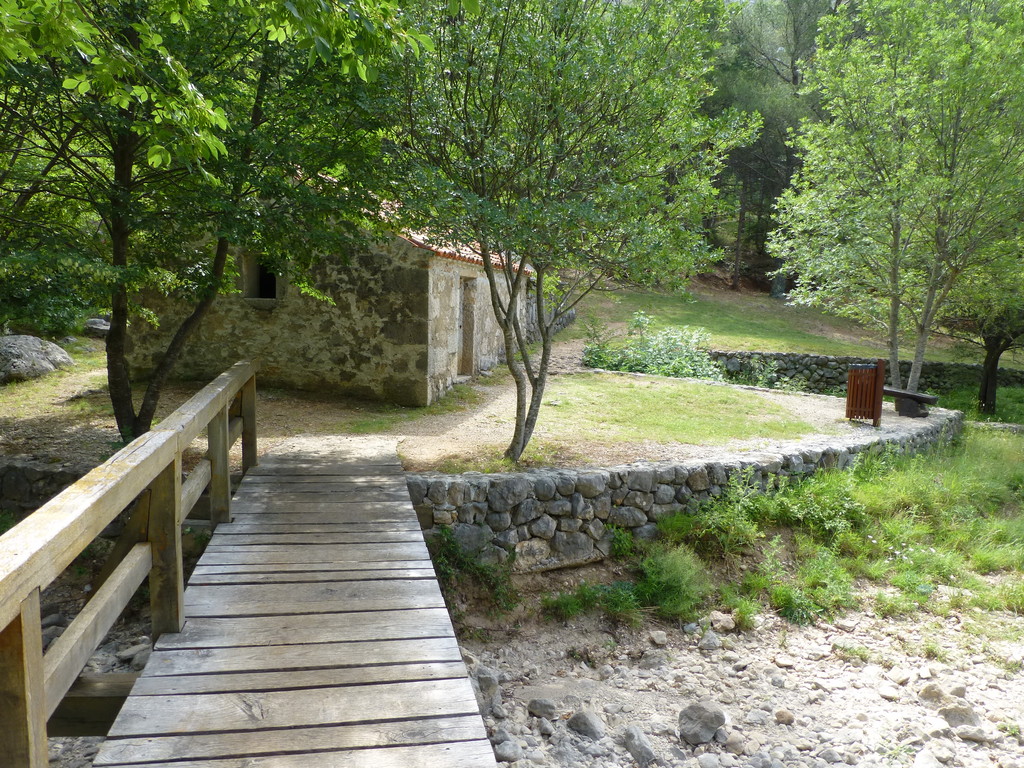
pixel 989 313
pixel 912 183
pixel 759 70
pixel 563 140
pixel 142 143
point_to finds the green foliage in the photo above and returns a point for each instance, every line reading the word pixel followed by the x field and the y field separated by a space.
pixel 6 521
pixel 889 215
pixel 824 505
pixel 675 581
pixel 723 526
pixel 677 352
pixel 623 546
pixel 618 600
pixel 457 569
pixel 614 188
pixel 1009 404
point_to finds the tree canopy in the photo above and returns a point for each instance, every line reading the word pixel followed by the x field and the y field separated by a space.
pixel 566 136
pixel 142 143
pixel 913 182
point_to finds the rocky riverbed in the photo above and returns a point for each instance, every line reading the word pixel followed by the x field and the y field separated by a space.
pixel 921 691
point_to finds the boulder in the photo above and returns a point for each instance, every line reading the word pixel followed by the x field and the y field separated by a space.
pixel 26 357
pixel 699 721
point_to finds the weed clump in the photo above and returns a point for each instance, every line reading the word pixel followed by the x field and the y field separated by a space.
pixel 458 569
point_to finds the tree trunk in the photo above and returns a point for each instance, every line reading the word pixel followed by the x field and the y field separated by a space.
pixel 994 348
pixel 895 377
pixel 118 379
pixel 738 256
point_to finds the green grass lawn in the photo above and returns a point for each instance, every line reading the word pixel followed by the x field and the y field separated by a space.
pixel 757 322
pixel 609 409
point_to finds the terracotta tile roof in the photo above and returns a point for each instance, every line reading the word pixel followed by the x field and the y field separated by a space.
pixel 460 253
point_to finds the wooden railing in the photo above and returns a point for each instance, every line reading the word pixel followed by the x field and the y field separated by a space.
pixel 32 554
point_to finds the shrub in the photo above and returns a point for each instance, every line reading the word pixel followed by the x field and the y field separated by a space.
pixel 675 581
pixel 457 568
pixel 676 352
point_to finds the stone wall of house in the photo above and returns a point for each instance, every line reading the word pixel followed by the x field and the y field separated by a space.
pixel 459 296
pixel 823 373
pixel 26 484
pixel 372 343
pixel 555 518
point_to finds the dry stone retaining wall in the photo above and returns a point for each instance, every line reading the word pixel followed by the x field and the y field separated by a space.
pixel 27 484
pixel 823 373
pixel 549 519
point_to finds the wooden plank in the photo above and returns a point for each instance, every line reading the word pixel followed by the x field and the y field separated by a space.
pixel 313 567
pixel 355 496
pixel 309 478
pixel 306 679
pixel 22 693
pixel 194 485
pixel 284 658
pixel 319 512
pixel 299 539
pixel 309 628
pixel 319 597
pixel 459 754
pixel 252 711
pixel 272 467
pixel 91 705
pixel 298 553
pixel 250 454
pixel 39 548
pixel 299 740
pixel 70 651
pixel 218 445
pixel 194 414
pixel 339 526
pixel 294 577
pixel 166 579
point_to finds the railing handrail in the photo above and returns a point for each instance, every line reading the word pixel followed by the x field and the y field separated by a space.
pixel 38 549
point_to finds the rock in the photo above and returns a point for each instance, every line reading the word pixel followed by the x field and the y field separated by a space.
pixel 699 721
pixel 708 760
pixel 973 733
pixel 96 327
pixel 139 659
pixel 638 746
pixel 785 662
pixel 735 743
pixel 659 637
pixel 508 752
pixel 899 676
pixel 958 715
pixel 128 653
pixel 587 724
pixel 544 727
pixel 721 622
pixel 710 641
pixel 925 759
pixel 784 717
pixel 933 693
pixel 830 756
pixel 889 692
pixel 544 708
pixel 26 357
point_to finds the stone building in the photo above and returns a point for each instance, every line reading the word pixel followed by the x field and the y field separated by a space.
pixel 407 320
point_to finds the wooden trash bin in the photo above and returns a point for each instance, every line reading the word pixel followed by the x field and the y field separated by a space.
pixel 864 385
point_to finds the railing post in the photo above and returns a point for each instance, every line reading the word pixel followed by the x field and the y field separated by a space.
pixel 220 473
pixel 248 397
pixel 166 579
pixel 22 692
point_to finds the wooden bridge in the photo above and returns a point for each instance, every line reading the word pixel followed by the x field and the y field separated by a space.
pixel 312 631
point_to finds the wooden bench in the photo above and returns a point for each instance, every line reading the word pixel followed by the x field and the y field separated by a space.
pixel 910 404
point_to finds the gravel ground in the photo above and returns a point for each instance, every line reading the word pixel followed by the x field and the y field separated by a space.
pixel 922 692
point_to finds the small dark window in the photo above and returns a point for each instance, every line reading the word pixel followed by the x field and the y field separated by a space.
pixel 266 284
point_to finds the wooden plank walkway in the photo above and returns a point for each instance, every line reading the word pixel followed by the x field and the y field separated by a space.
pixel 316 636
